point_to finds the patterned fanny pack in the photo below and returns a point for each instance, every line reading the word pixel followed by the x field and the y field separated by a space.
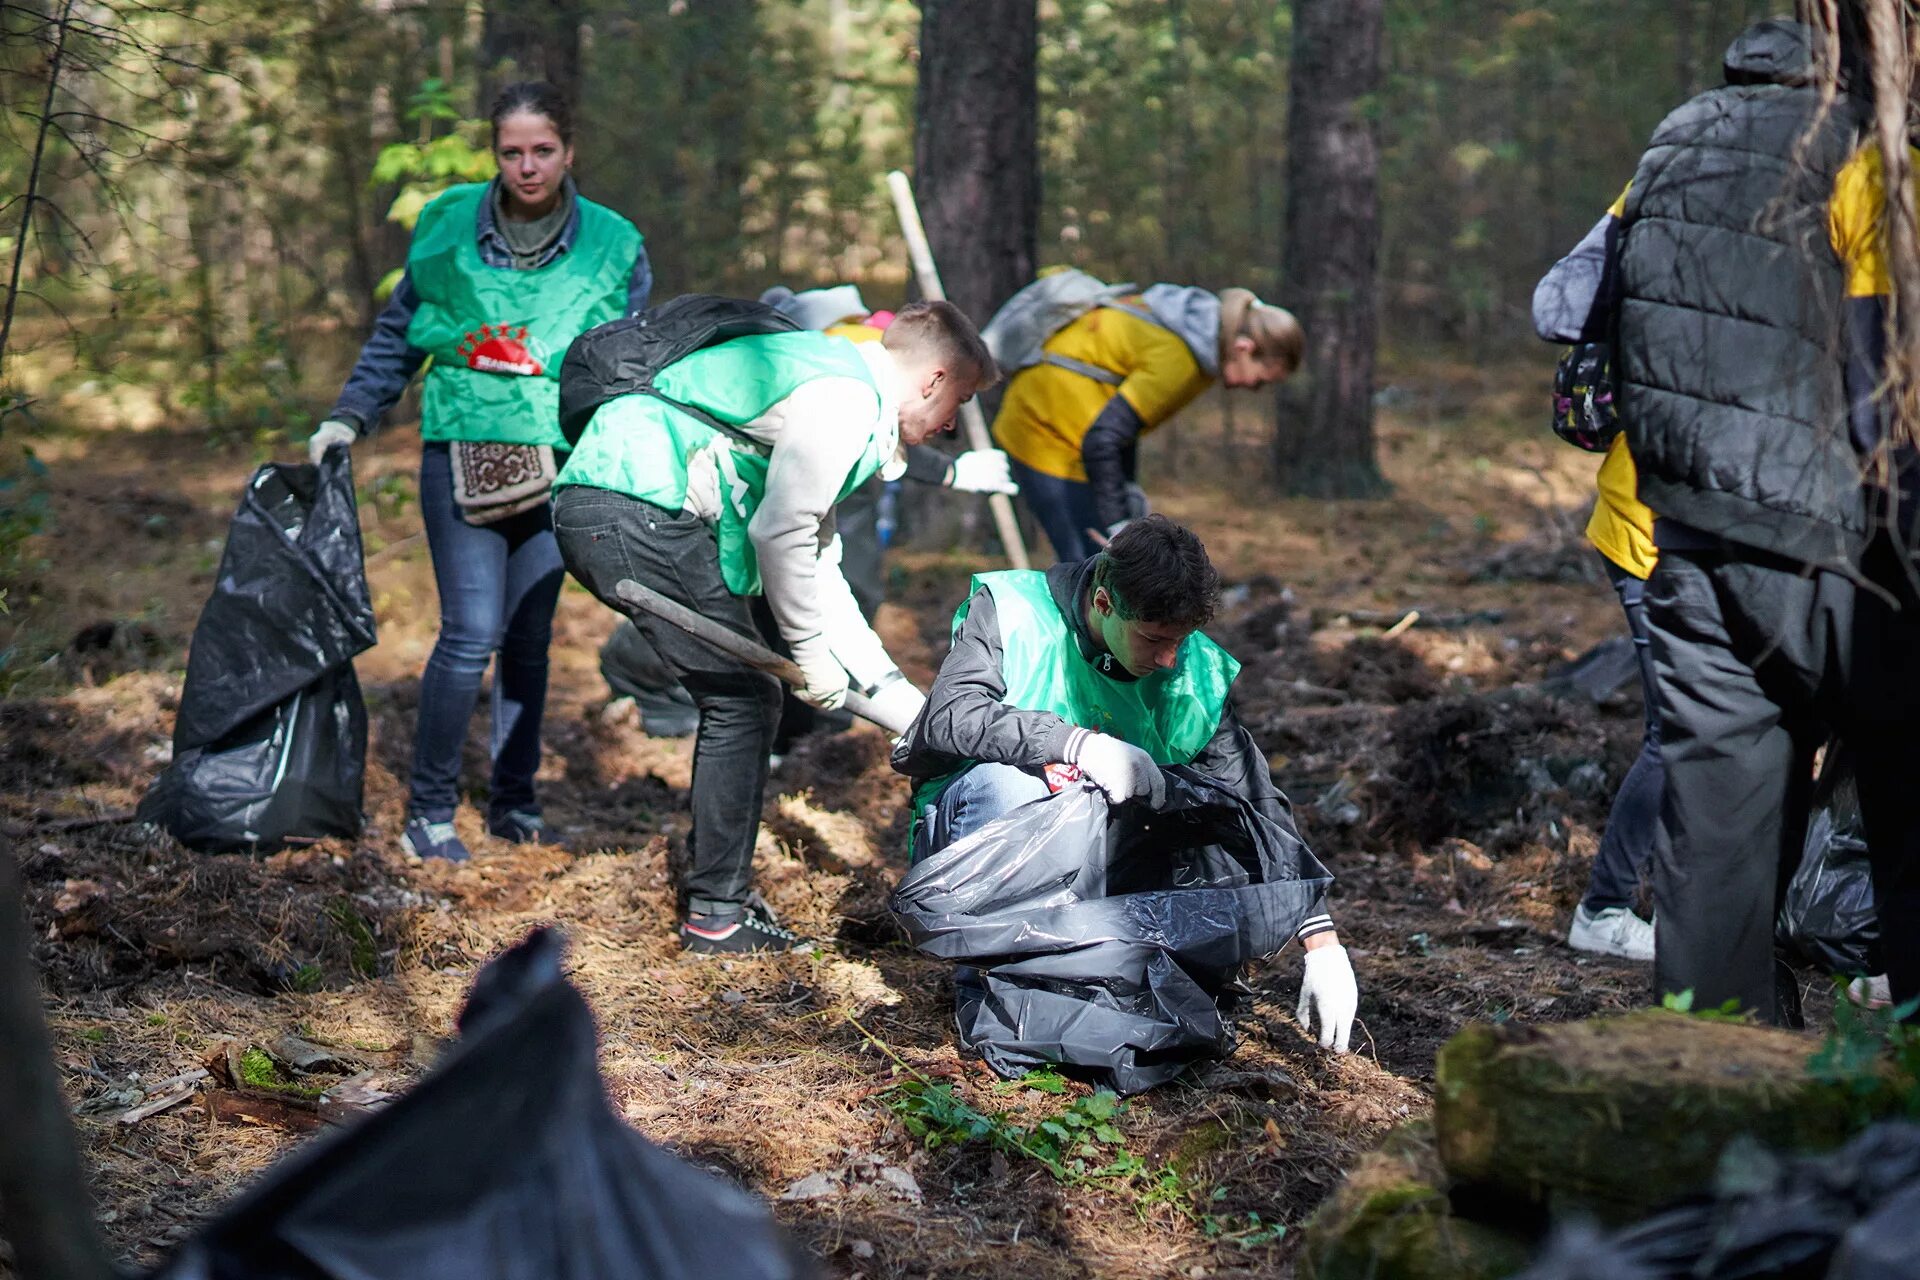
pixel 492 481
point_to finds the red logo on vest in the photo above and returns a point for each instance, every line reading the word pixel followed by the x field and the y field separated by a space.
pixel 502 348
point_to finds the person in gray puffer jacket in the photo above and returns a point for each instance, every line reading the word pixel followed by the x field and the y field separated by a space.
pixel 1745 281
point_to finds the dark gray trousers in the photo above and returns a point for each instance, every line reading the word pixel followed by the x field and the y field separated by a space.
pixel 606 536
pixel 1756 662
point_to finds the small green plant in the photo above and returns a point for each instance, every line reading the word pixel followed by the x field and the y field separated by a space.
pixel 1080 1145
pixel 258 1071
pixel 363 952
pixel 307 979
pixel 1682 1002
pixel 1872 1056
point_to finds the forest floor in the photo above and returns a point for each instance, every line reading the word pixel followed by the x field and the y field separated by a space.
pixel 1456 800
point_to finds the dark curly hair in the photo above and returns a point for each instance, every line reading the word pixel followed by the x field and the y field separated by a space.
pixel 1157 571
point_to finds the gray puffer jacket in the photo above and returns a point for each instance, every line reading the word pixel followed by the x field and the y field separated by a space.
pixel 1732 345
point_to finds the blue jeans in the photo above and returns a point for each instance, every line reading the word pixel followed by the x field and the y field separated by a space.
pixel 974 799
pixel 1626 847
pixel 499 584
pixel 1064 509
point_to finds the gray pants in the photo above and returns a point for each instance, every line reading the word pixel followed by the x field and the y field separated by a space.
pixel 606 536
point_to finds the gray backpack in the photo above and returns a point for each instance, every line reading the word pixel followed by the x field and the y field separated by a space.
pixel 1018 332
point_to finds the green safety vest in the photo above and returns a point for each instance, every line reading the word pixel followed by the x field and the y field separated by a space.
pixel 639 445
pixel 1171 714
pixel 496 335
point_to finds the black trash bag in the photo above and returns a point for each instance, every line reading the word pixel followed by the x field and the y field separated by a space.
pixel 505 1163
pixel 1852 1214
pixel 1110 943
pixel 1828 917
pixel 270 743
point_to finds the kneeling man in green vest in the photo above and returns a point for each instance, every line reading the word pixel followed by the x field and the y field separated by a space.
pixel 1039 659
pixel 712 518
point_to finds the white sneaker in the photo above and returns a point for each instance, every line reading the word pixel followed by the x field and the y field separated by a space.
pixel 1870 993
pixel 1615 931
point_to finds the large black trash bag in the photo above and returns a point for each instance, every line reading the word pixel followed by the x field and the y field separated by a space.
pixel 1110 942
pixel 1852 1214
pixel 270 743
pixel 1828 917
pixel 505 1163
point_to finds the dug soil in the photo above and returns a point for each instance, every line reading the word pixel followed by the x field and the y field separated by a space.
pixel 1457 799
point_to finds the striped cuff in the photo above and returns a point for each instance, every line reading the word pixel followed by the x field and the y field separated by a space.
pixel 1070 754
pixel 1315 924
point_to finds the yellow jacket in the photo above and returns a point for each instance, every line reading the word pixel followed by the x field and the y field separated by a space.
pixel 1046 411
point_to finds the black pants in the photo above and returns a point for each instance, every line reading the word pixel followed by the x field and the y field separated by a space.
pixel 606 536
pixel 1756 662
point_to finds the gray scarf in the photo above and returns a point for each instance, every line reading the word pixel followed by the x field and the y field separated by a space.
pixel 529 242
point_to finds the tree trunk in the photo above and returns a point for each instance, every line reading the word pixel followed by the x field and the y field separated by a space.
pixel 1324 446
pixel 531 40
pixel 976 158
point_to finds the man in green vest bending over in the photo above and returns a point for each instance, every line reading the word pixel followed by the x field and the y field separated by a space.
pixel 1099 665
pixel 711 516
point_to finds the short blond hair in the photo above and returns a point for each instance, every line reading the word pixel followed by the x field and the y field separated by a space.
pixel 1277 335
pixel 942 332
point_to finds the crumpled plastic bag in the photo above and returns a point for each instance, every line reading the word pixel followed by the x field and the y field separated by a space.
pixel 1828 916
pixel 506 1162
pixel 1110 941
pixel 270 743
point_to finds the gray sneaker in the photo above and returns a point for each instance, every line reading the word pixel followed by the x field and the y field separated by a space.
pixel 424 839
pixel 1616 931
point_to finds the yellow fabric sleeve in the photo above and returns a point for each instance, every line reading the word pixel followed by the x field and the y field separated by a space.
pixel 1853 221
pixel 1621 527
pixel 1047 410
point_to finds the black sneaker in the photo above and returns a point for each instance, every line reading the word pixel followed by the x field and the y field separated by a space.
pixel 754 930
pixel 523 827
pixel 426 839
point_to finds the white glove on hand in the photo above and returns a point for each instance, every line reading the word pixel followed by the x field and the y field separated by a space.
pixel 328 434
pixel 981 471
pixel 1328 991
pixel 1120 769
pixel 898 703
pixel 826 686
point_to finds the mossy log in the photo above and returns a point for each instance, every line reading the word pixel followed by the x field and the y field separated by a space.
pixel 1619 1116
pixel 1391 1220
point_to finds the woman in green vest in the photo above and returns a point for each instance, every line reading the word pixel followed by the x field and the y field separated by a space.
pixel 1098 667
pixel 500 277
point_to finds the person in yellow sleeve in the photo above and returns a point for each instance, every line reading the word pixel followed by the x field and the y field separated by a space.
pixel 1743 288
pixel 1071 420
pixel 1621 530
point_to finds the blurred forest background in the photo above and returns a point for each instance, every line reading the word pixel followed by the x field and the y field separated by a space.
pixel 220 177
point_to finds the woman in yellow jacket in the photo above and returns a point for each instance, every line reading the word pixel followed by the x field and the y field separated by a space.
pixel 1071 424
pixel 1572 305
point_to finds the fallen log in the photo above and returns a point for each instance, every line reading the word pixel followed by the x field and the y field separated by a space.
pixel 1616 1117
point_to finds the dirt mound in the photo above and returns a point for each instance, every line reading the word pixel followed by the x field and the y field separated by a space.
pixel 1372 669
pixel 1500 770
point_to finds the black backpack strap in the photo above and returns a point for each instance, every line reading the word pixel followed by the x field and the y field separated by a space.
pixel 702 416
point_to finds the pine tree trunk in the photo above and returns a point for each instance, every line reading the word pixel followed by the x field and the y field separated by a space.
pixel 976 158
pixel 531 40
pixel 1324 446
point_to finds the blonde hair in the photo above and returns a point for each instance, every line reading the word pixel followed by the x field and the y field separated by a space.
pixel 1277 336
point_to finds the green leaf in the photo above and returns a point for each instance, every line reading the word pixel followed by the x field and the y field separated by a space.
pixel 1107 1133
pixel 1101 1106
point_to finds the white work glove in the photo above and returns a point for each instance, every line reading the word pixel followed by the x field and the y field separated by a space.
pixel 898 703
pixel 981 471
pixel 1329 994
pixel 826 685
pixel 1118 768
pixel 328 434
